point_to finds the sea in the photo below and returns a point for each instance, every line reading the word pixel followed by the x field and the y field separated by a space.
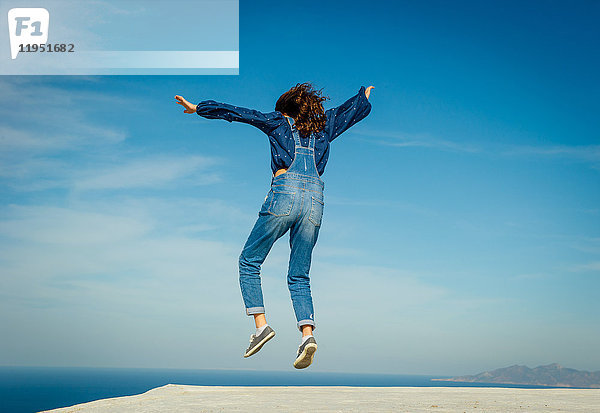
pixel 32 389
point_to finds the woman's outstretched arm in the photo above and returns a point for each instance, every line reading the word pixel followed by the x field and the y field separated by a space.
pixel 214 110
pixel 349 113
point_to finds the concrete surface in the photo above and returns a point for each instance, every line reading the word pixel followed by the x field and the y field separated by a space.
pixel 183 398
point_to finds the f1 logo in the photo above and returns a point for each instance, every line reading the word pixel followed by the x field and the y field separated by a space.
pixel 27 26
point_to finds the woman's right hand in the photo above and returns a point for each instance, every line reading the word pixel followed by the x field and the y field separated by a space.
pixel 368 91
pixel 189 108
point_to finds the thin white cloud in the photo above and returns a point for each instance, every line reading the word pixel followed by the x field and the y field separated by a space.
pixel 401 205
pixel 17 93
pixel 64 226
pixel 29 168
pixel 531 276
pixel 46 249
pixel 379 288
pixel 121 271
pixel 12 139
pixel 108 7
pixel 61 119
pixel 43 141
pixel 583 153
pixel 421 140
pixel 62 145
pixel 587 153
pixel 330 251
pixel 148 173
pixel 154 172
pixel 587 267
pixel 587 244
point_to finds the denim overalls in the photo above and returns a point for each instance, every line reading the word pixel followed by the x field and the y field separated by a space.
pixel 295 203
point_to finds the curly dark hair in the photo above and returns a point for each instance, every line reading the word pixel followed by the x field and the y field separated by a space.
pixel 305 104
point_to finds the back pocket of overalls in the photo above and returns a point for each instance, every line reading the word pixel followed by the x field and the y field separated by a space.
pixel 316 211
pixel 281 203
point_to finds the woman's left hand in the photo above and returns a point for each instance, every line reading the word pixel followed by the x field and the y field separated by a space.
pixel 189 108
pixel 368 91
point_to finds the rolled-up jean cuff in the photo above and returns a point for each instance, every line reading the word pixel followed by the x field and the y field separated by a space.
pixel 255 310
pixel 305 322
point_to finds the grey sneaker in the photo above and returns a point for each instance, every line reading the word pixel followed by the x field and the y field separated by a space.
pixel 256 342
pixel 306 352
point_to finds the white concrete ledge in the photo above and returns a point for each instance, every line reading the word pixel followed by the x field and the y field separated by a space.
pixel 183 399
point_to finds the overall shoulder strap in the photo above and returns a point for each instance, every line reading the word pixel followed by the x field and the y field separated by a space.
pixel 295 133
pixel 311 140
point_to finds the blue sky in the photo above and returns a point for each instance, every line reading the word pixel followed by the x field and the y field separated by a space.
pixel 461 224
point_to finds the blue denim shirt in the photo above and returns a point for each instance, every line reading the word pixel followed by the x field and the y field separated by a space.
pixel 279 132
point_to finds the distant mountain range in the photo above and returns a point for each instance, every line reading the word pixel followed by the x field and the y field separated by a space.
pixel 550 375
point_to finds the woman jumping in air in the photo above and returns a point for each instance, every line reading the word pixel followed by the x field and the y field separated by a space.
pixel 300 132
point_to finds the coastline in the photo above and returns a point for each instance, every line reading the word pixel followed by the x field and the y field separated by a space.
pixel 487 383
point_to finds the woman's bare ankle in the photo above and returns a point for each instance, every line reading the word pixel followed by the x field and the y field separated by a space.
pixel 307 330
pixel 260 320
